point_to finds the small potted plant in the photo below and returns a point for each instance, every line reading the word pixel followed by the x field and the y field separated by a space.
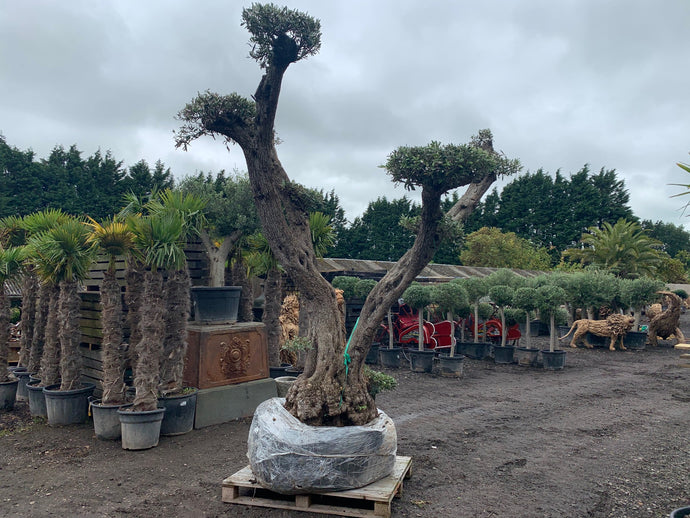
pixel 378 381
pixel 418 296
pixel 549 300
pixel 449 297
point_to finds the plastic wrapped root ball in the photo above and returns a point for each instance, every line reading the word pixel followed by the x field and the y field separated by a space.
pixel 290 457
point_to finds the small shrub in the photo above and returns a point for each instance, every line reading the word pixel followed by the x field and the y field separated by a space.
pixel 378 381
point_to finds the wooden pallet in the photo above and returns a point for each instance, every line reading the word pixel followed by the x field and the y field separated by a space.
pixel 372 500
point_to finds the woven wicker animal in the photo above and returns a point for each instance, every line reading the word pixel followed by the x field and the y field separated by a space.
pixel 615 326
pixel 667 322
pixel 653 310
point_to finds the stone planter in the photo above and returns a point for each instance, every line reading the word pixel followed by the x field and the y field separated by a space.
pixel 283 384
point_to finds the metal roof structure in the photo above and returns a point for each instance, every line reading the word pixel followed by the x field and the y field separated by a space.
pixel 432 273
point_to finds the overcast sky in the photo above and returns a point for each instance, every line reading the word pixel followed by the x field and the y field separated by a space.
pixel 560 84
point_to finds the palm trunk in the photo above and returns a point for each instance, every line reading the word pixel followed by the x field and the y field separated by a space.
pixel 134 279
pixel 271 317
pixel 4 333
pixel 39 331
pixel 29 294
pixel 70 335
pixel 177 302
pixel 112 319
pixel 239 278
pixel 150 346
pixel 50 360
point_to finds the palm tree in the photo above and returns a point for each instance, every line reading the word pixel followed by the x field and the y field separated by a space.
pixel 623 249
pixel 115 239
pixel 67 254
pixel 159 244
pixel 10 264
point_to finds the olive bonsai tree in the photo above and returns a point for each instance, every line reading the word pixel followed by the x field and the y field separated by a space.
pixel 525 298
pixel 418 296
pixel 330 391
pixel 637 293
pixel 549 299
pixel 450 297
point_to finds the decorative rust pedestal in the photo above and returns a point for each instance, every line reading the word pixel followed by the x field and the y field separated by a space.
pixel 219 355
pixel 229 364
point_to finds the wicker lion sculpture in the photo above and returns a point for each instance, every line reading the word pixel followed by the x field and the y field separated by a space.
pixel 615 326
pixel 666 323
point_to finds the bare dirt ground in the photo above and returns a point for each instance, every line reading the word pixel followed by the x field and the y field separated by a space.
pixel 609 436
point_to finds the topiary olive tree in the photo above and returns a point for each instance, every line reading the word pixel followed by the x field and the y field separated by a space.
pixel 331 391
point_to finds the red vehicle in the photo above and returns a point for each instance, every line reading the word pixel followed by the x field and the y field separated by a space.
pixel 492 328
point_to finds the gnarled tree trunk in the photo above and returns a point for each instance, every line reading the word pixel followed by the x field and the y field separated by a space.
pixel 272 302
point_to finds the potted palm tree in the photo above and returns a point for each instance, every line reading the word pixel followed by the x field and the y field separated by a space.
pixel 66 255
pixel 10 264
pixel 449 297
pixel 549 300
pixel 114 239
pixel 159 245
pixel 419 296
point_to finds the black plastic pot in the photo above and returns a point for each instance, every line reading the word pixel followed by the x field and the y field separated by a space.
pixel 37 399
pixel 373 354
pixel 106 421
pixel 276 372
pixel 65 407
pixel 597 341
pixel 451 367
pixel 504 354
pixel 179 413
pixel 23 377
pixel 140 430
pixel 8 394
pixel 526 357
pixel 635 340
pixel 680 513
pixel 216 305
pixel 390 358
pixel 421 361
pixel 553 360
pixel 474 350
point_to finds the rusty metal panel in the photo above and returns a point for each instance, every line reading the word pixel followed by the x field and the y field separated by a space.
pixel 219 355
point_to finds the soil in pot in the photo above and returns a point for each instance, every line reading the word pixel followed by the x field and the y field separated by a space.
pixel 390 358
pixel 450 367
pixel 553 360
pixel 106 421
pixel 180 410
pixel 65 407
pixel 504 354
pixel 526 357
pixel 421 361
pixel 37 399
pixel 140 430
pixel 283 384
pixel 8 394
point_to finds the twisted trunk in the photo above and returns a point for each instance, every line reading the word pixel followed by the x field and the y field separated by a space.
pixel 70 335
pixel 29 294
pixel 150 345
pixel 39 330
pixel 50 360
pixel 239 278
pixel 177 307
pixel 112 318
